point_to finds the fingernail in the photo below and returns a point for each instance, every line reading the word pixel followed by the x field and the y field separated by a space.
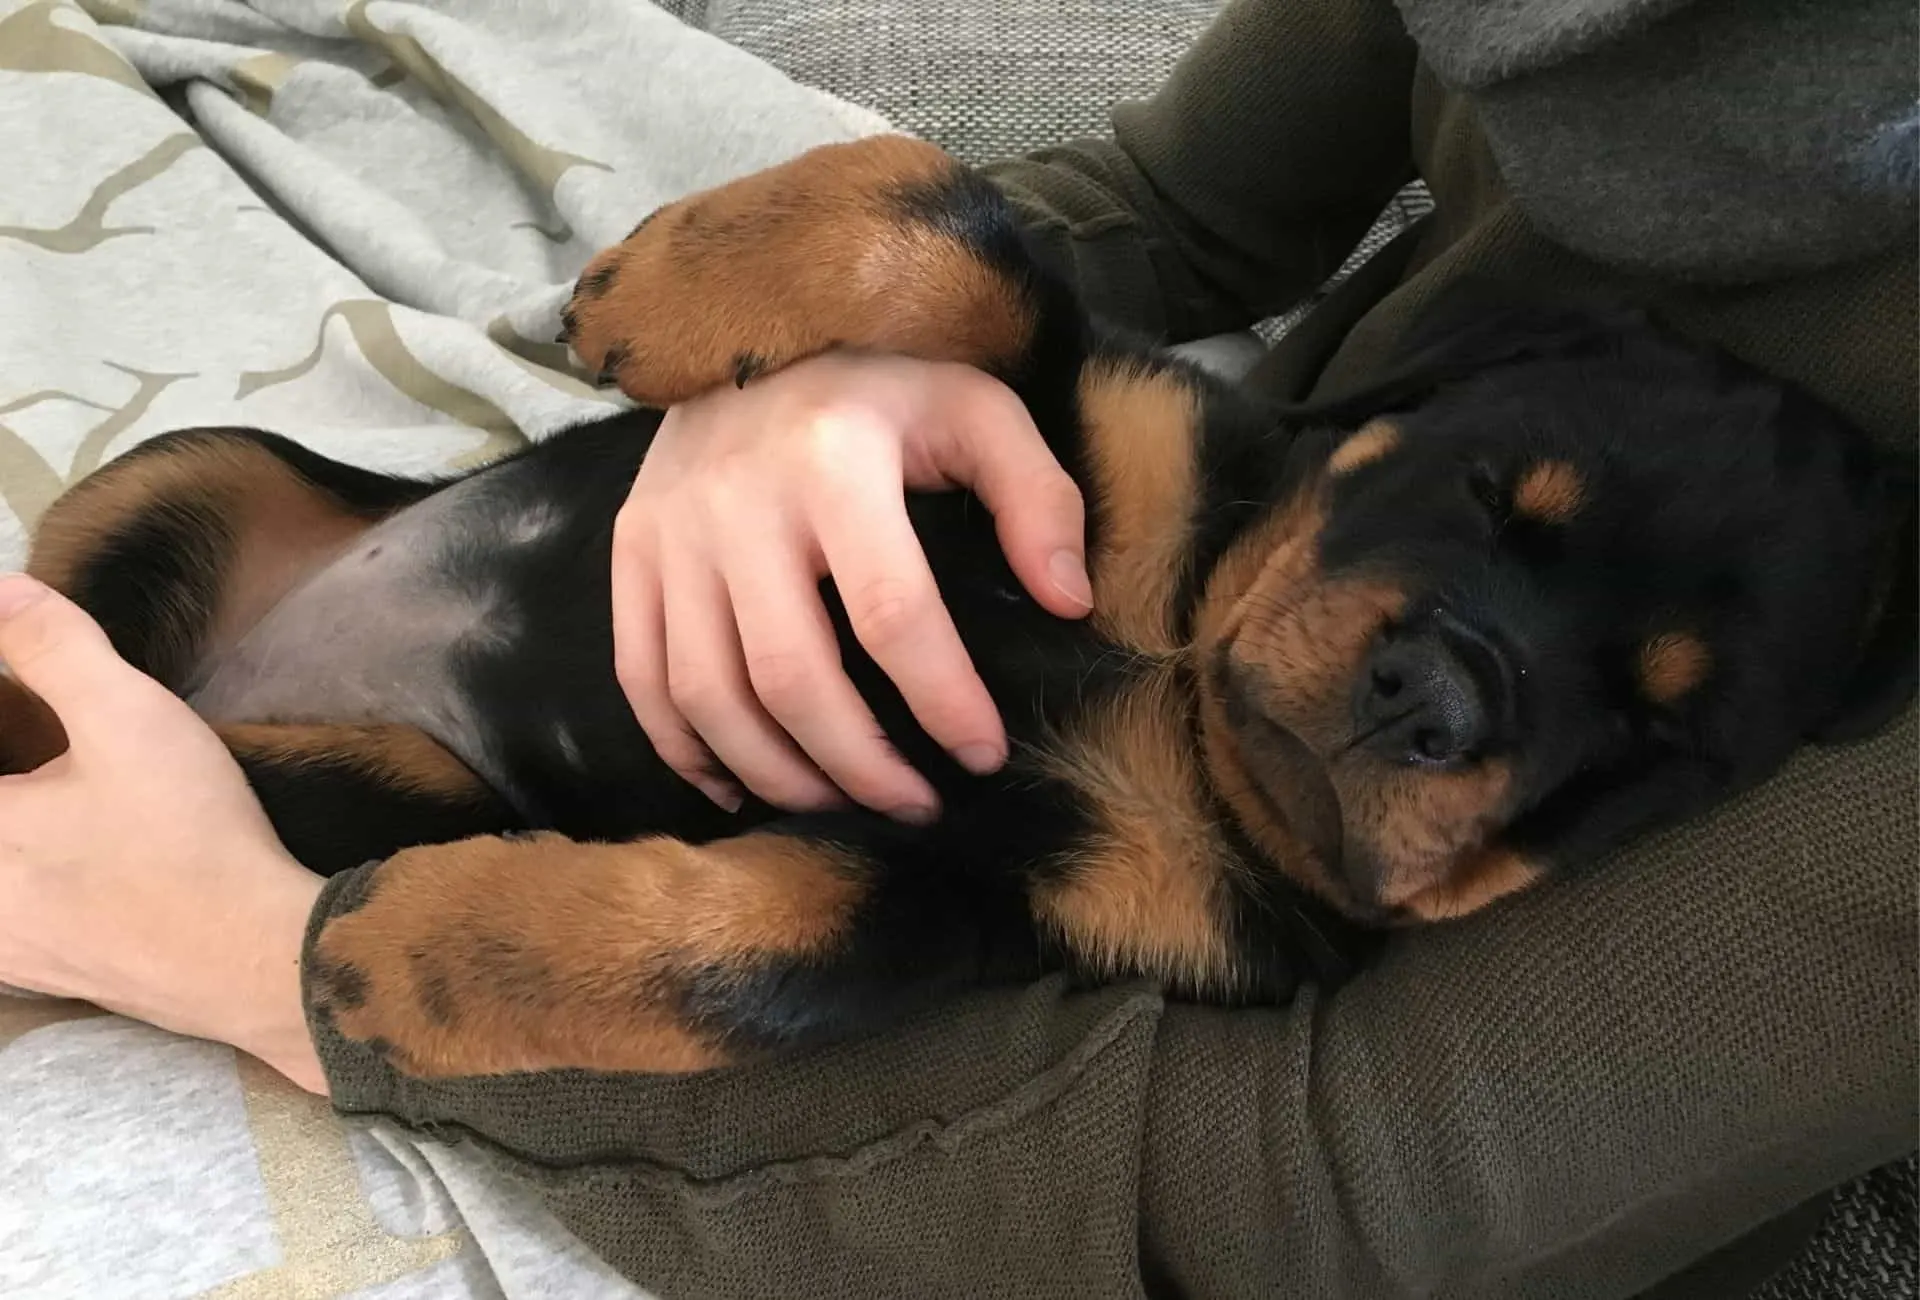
pixel 918 814
pixel 1070 576
pixel 979 759
pixel 17 591
pixel 729 797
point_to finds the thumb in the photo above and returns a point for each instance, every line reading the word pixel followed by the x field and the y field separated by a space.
pixel 1038 511
pixel 53 647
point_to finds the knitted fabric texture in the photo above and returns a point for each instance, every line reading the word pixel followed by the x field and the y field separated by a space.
pixel 1865 1248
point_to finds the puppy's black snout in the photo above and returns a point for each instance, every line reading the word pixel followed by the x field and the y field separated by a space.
pixel 1419 699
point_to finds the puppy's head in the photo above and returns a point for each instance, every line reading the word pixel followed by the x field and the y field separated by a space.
pixel 1558 581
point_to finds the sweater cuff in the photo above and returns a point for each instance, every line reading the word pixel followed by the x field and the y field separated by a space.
pixel 359 1081
pixel 1089 232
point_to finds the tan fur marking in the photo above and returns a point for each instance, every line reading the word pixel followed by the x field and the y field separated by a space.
pixel 1265 570
pixel 490 955
pixel 789 262
pixel 1141 436
pixel 1549 492
pixel 1284 544
pixel 1307 641
pixel 275 525
pixel 1420 827
pixel 1372 441
pixel 1488 876
pixel 1276 841
pixel 401 756
pixel 1145 893
pixel 30 731
pixel 1671 665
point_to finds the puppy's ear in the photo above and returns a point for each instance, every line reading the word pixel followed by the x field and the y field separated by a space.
pixel 1473 326
pixel 1887 672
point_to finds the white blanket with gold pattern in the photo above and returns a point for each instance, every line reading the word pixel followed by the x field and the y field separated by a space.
pixel 352 223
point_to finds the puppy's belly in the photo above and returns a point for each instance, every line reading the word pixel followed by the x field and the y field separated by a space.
pixel 382 631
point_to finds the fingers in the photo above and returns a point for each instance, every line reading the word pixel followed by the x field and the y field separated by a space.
pixel 708 685
pixel 722 643
pixel 57 651
pixel 793 665
pixel 640 661
pixel 992 446
pixel 893 604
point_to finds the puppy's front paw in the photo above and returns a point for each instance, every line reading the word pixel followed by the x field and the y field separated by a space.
pixel 420 973
pixel 500 954
pixel 876 243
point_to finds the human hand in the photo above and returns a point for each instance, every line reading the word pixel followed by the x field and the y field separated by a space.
pixel 748 497
pixel 137 870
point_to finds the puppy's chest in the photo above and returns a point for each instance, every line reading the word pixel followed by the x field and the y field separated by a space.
pixel 1146 882
pixel 382 631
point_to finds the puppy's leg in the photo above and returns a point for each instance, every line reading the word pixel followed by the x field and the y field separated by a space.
pixel 179 546
pixel 343 795
pixel 30 734
pixel 886 243
pixel 497 955
pixel 177 549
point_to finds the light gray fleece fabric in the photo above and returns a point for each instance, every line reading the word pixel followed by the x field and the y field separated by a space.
pixel 352 223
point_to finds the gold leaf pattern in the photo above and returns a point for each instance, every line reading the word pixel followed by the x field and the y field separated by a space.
pixel 257 78
pixel 30 41
pixel 551 363
pixel 330 1242
pixel 370 321
pixel 89 228
pixel 86 457
pixel 27 483
pixel 50 395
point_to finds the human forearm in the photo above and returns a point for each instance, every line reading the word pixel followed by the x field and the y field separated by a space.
pixel 137 871
pixel 930 1162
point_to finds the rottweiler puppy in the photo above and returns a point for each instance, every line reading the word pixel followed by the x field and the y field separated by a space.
pixel 1556 580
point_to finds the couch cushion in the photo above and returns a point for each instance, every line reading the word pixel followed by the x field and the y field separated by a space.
pixel 981 80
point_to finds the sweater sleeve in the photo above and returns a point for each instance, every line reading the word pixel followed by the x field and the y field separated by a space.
pixel 1240 186
pixel 1570 1096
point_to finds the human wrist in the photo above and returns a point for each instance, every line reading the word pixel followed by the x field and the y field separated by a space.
pixel 264 1013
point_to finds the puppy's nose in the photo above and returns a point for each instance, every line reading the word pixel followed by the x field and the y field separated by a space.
pixel 1418 701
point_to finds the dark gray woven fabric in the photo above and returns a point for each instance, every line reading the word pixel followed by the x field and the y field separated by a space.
pixel 1408 206
pixel 983 81
pixel 1867 1246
